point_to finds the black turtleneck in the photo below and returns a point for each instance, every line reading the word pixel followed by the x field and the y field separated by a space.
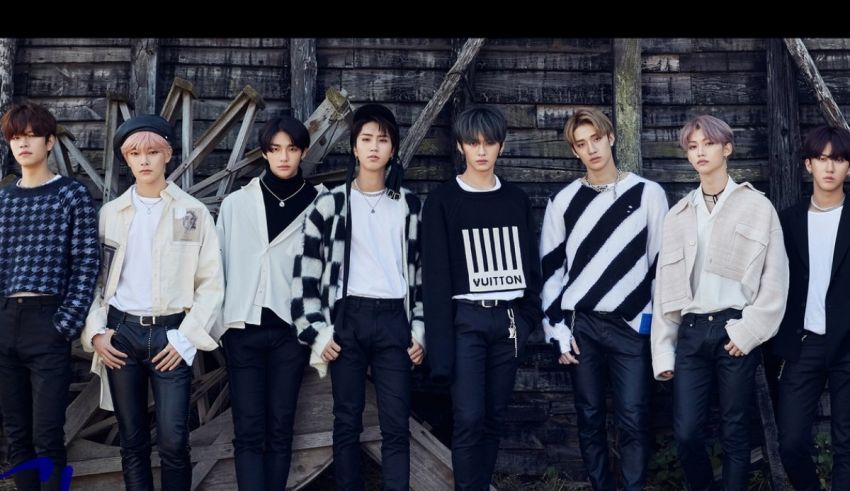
pixel 278 218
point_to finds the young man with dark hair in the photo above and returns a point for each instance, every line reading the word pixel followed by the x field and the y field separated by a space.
pixel 260 229
pixel 49 260
pixel 598 248
pixel 157 298
pixel 481 292
pixel 814 337
pixel 356 297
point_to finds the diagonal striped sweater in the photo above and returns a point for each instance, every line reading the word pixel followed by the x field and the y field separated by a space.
pixel 599 254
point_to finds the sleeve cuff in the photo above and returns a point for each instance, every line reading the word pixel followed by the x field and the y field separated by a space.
pixel 183 346
pixel 663 362
pixel 559 332
pixel 741 336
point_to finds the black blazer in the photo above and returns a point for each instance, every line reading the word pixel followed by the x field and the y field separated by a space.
pixel 787 343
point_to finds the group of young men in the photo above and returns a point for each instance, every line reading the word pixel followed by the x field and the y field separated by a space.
pixel 364 280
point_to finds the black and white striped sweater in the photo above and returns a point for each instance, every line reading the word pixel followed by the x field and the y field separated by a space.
pixel 317 270
pixel 599 254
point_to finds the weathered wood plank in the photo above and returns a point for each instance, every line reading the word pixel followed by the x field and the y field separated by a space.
pixel 380 85
pixel 81 409
pixel 555 116
pixel 421 59
pixel 689 45
pixel 145 64
pixel 704 88
pixel 110 166
pixel 225 55
pixel 173 99
pixel 75 154
pixel 224 81
pixel 238 148
pixel 417 131
pixel 303 71
pixel 580 45
pixel 327 125
pixel 226 42
pixel 77 54
pixel 8 51
pixel 705 62
pixel 187 124
pixel 813 79
pixel 548 61
pixel 64 42
pixel 827 43
pixel 544 87
pixel 72 80
pixel 384 43
pixel 676 116
pixel 785 153
pixel 627 103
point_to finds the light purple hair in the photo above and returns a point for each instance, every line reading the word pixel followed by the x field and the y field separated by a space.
pixel 715 129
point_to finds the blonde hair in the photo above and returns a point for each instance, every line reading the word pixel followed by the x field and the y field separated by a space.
pixel 143 141
pixel 587 115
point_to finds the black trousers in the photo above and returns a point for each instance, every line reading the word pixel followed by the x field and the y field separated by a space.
pixel 612 351
pixel 375 334
pixel 265 365
pixel 35 373
pixel 485 370
pixel 171 393
pixel 700 362
pixel 801 384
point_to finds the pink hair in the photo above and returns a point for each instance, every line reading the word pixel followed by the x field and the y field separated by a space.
pixel 143 141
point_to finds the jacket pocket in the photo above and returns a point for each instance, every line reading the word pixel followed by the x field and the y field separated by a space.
pixel 748 246
pixel 673 276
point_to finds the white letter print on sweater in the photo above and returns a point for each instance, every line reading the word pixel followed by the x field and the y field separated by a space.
pixel 493 259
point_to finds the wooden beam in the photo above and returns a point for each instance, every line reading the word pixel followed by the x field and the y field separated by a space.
pixel 771 432
pixel 186 131
pixel 627 104
pixel 303 70
pixel 461 97
pixel 328 123
pixel 238 148
pixel 110 166
pixel 66 139
pixel 81 408
pixel 811 75
pixel 8 51
pixel 144 58
pixel 441 96
pixel 783 129
pixel 178 87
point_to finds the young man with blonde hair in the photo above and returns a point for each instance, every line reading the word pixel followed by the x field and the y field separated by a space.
pixel 598 249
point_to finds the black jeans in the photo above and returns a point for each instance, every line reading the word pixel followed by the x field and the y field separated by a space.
pixel 265 365
pixel 700 360
pixel 35 372
pixel 611 350
pixel 485 370
pixel 801 384
pixel 171 392
pixel 375 332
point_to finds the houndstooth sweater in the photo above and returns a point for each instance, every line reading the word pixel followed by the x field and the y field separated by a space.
pixel 318 266
pixel 48 244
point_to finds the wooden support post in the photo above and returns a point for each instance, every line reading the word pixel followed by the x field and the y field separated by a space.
pixel 327 125
pixel 830 110
pixel 441 96
pixel 303 70
pixel 460 99
pixel 8 50
pixel 627 104
pixel 783 127
pixel 110 168
pixel 238 148
pixel 186 130
pixel 178 87
pixel 144 60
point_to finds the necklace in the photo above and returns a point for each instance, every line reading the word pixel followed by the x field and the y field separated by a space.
pixel 601 188
pixel 282 202
pixel 380 194
pixel 828 208
pixel 148 208
pixel 713 196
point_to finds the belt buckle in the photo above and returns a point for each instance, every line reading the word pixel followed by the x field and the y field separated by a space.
pixel 142 321
pixel 489 304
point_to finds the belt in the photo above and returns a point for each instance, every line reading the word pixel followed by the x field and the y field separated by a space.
pixel 374 303
pixel 32 300
pixel 487 303
pixel 721 315
pixel 145 320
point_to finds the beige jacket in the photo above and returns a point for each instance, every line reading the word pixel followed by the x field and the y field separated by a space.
pixel 746 246
pixel 187 271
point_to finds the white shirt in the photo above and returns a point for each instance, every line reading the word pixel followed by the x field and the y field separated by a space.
pixel 822 231
pixel 133 294
pixel 257 268
pixel 712 292
pixel 377 264
pixel 488 295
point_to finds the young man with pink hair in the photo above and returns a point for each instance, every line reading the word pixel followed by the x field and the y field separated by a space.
pixel 159 295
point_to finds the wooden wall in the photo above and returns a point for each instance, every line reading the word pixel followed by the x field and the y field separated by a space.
pixel 537 83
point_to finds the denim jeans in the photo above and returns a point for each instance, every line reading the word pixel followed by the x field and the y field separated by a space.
pixel 35 372
pixel 171 392
pixel 265 365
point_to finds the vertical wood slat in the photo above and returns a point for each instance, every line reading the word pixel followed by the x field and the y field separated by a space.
pixel 830 110
pixel 441 96
pixel 238 148
pixel 144 58
pixel 783 127
pixel 627 104
pixel 461 97
pixel 303 71
pixel 8 52
pixel 111 170
pixel 187 128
